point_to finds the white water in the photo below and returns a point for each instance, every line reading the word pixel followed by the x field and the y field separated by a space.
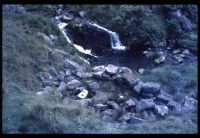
pixel 61 26
pixel 114 38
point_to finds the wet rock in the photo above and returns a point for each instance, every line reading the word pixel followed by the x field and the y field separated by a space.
pixel 164 97
pixel 144 104
pixel 53 71
pixel 126 77
pixel 101 107
pixel 136 120
pixel 130 103
pixel 68 64
pixel 62 87
pixel 71 85
pixel 189 105
pixel 111 69
pixel 113 105
pixel 83 94
pixel 161 110
pixel 150 89
pixel 137 88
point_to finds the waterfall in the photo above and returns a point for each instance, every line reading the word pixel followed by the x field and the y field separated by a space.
pixel 62 26
pixel 114 38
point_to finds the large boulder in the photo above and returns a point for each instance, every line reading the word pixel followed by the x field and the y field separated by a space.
pixel 144 104
pixel 161 110
pixel 126 77
pixel 150 89
pixel 111 69
pixel 71 85
pixel 68 64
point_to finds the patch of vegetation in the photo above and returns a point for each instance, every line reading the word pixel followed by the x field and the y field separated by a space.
pixel 26 112
pixel 182 124
pixel 176 80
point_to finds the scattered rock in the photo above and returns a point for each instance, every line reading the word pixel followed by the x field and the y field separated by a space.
pixel 137 88
pixel 73 66
pixel 71 85
pixel 161 110
pixel 164 97
pixel 62 87
pixel 83 94
pixel 144 104
pixel 136 120
pixel 99 68
pixel 113 105
pixel 81 75
pixel 130 103
pixel 53 71
pixel 161 58
pixel 141 70
pixel 67 73
pixel 126 77
pixel 186 52
pixel 126 117
pixel 92 85
pixel 174 106
pixel 45 38
pixel 98 75
pixel 189 105
pixel 182 55
pixel 111 69
pixel 101 107
pixel 176 51
pixel 47 83
pixel 150 89
pixel 83 102
pixel 82 14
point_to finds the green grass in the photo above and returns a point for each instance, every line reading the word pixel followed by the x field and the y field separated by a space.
pixel 24 54
pixel 26 112
pixel 177 80
pixel 182 124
